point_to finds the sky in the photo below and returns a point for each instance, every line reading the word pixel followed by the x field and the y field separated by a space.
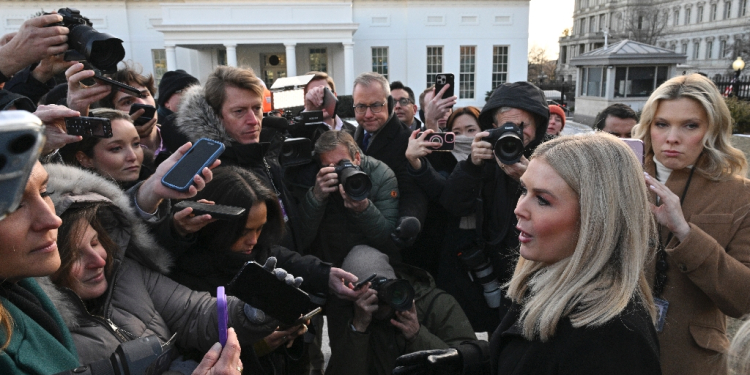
pixel 547 20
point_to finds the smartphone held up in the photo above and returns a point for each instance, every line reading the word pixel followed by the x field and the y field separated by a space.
pixel 203 153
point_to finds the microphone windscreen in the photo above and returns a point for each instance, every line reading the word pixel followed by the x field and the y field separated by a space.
pixel 409 227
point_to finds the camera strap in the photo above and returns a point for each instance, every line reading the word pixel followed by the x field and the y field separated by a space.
pixel 276 190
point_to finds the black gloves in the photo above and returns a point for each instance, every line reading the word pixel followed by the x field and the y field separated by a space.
pixel 430 362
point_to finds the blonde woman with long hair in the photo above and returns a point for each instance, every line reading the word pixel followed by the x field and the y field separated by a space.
pixel 581 301
pixel 701 203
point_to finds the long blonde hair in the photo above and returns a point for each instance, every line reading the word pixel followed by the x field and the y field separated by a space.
pixel 720 159
pixel 615 239
pixel 739 351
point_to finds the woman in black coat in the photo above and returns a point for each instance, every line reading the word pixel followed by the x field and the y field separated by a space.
pixel 580 300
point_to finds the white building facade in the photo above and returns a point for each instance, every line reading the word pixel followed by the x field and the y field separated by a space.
pixel 483 42
pixel 704 30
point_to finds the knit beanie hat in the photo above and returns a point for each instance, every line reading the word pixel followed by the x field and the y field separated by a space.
pixel 8 99
pixel 364 260
pixel 172 82
pixel 556 110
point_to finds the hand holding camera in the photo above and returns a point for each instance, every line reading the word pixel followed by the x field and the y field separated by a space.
pixel 352 204
pixel 326 182
pixel 52 117
pixel 32 43
pixel 481 150
pixel 407 322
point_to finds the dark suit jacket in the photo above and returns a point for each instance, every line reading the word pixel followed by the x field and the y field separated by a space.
pixel 389 146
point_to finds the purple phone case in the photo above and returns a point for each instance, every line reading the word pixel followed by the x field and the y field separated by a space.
pixel 221 307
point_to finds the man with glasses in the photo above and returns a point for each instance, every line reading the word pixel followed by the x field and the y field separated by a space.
pixel 405 105
pixel 383 136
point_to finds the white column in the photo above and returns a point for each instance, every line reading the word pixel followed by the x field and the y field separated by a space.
pixel 171 57
pixel 349 68
pixel 291 59
pixel 231 54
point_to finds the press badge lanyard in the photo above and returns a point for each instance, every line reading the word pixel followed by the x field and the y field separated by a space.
pixel 278 193
pixel 660 281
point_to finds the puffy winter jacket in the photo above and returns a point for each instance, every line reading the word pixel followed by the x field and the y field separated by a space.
pixel 140 300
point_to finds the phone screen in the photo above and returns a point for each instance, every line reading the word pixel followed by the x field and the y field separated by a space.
pixel 202 154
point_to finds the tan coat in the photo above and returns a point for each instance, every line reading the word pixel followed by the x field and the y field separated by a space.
pixel 708 275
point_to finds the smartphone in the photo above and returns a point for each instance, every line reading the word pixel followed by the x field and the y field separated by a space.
pixel 21 141
pixel 330 103
pixel 637 146
pixel 365 281
pixel 147 116
pixel 120 86
pixel 261 289
pixel 447 140
pixel 302 319
pixel 217 211
pixel 203 153
pixel 98 127
pixel 221 309
pixel 442 79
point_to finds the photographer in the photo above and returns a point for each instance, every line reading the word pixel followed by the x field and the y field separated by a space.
pixel 33 43
pixel 483 187
pixel 400 312
pixel 171 88
pixel 332 221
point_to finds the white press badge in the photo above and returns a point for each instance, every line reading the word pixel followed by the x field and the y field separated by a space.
pixel 662 306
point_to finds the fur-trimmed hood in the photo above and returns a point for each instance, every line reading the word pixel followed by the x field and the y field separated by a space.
pixel 73 186
pixel 196 119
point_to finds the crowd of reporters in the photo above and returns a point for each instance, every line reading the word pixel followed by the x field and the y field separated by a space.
pixel 637 274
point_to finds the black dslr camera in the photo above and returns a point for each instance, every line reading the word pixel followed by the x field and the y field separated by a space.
pixel 102 50
pixel 356 183
pixel 507 142
pixel 396 293
pixel 481 271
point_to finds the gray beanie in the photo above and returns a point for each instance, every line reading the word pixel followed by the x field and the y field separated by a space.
pixel 364 260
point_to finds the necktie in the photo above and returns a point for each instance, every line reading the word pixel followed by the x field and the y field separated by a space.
pixel 366 141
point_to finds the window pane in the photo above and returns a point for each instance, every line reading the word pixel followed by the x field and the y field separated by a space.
pixel 380 60
pixel 593 82
pixel 159 56
pixel 640 81
pixel 468 65
pixel 318 59
pixel 661 75
pixel 500 65
pixel 620 75
pixel 434 63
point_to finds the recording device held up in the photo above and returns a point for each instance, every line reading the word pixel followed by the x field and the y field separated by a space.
pixel 396 293
pixel 442 79
pixel 357 184
pixel 148 113
pixel 447 140
pixel 507 142
pixel 102 50
pixel 203 153
pixel 480 270
pixel 21 141
pixel 98 127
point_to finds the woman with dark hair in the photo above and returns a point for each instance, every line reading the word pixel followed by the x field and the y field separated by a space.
pixel 223 247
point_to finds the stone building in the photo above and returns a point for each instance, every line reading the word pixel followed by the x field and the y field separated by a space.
pixel 704 30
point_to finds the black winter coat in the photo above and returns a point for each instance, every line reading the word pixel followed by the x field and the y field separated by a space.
pixel 625 345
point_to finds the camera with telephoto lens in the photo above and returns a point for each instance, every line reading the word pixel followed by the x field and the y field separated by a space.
pixel 396 293
pixel 356 183
pixel 481 271
pixel 507 142
pixel 102 50
pixel 139 356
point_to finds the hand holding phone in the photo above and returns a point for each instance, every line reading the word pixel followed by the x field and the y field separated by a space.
pixel 148 113
pixel 365 281
pixel 447 140
pixel 217 211
pixel 203 153
pixel 21 140
pixel 98 127
pixel 221 309
pixel 442 79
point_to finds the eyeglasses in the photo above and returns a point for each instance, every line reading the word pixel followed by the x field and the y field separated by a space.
pixel 404 102
pixel 375 108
